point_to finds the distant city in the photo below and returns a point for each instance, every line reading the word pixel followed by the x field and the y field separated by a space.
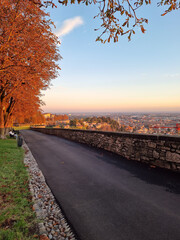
pixel 145 123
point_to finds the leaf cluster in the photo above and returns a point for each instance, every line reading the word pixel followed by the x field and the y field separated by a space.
pixel 119 17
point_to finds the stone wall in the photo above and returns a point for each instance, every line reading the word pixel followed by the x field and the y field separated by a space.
pixel 161 151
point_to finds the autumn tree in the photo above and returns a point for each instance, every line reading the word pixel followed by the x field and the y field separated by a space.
pixel 73 122
pixel 58 117
pixel 119 17
pixel 27 106
pixel 32 118
pixel 28 55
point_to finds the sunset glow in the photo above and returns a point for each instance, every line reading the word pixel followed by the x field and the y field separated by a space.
pixel 140 75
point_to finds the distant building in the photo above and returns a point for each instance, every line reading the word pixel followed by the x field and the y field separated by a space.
pixel 47 115
pixel 99 125
pixel 64 121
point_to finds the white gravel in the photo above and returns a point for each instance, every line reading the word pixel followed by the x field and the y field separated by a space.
pixel 53 224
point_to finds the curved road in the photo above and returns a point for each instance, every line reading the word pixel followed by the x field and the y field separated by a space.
pixel 106 197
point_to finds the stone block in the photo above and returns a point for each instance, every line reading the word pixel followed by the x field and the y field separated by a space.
pixel 144 151
pixel 155 154
pixel 167 144
pixel 178 166
pixel 164 148
pixel 174 146
pixel 167 165
pixel 159 163
pixel 162 154
pixel 128 141
pixel 143 158
pixel 161 143
pixel 173 166
pixel 173 157
pixel 151 144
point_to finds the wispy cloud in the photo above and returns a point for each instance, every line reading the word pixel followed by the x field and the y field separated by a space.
pixel 68 25
pixel 173 75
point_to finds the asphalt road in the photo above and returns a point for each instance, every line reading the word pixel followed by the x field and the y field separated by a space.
pixel 106 197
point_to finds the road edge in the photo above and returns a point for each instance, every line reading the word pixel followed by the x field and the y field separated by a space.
pixel 52 223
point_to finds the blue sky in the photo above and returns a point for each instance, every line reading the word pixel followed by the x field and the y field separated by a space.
pixel 140 75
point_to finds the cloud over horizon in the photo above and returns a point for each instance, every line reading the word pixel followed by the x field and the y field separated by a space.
pixel 68 25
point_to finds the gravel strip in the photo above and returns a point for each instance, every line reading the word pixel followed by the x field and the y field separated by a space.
pixel 53 224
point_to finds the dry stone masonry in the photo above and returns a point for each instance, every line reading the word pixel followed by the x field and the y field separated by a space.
pixel 157 150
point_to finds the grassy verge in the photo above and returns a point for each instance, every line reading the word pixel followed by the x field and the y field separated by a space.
pixel 17 219
pixel 22 128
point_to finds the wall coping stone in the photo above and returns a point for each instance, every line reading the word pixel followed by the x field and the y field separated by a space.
pixel 175 138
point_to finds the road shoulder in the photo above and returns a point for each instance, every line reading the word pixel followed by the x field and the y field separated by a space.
pixel 52 223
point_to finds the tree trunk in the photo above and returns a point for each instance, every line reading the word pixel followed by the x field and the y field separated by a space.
pixel 6 131
pixel 2 129
pixel 8 119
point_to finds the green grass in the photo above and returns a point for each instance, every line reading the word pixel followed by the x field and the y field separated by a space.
pixel 17 219
pixel 21 128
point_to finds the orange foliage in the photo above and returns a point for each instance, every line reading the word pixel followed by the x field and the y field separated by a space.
pixel 28 55
pixel 30 119
pixel 61 117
